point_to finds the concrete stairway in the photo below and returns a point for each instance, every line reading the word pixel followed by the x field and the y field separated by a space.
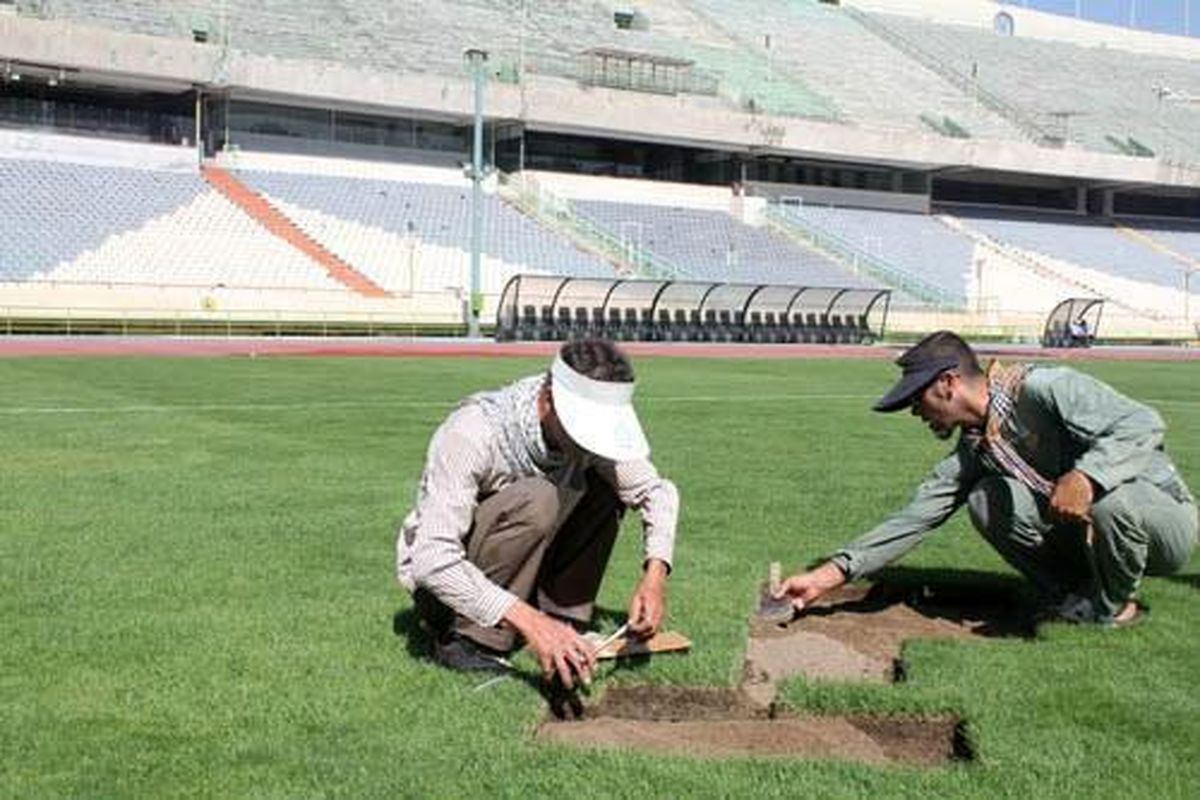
pixel 271 218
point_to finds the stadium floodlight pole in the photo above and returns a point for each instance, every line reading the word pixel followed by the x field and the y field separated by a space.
pixel 524 11
pixel 476 58
pixel 199 127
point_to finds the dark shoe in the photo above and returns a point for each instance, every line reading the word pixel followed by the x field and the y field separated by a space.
pixel 565 704
pixel 1078 610
pixel 464 655
pixel 1074 609
pixel 433 613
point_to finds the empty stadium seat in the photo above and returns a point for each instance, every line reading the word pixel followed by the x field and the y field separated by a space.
pixel 128 226
pixel 400 233
pixel 713 245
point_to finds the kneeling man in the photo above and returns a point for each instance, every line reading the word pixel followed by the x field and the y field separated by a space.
pixel 1064 476
pixel 522 495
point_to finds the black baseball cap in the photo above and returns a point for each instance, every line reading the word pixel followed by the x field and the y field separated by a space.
pixel 921 364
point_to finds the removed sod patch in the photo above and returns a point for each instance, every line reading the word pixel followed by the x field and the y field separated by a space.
pixel 724 723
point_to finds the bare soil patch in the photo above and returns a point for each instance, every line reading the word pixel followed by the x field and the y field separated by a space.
pixel 724 723
pixel 856 634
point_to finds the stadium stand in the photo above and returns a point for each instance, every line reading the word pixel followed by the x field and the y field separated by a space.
pixel 800 71
pixel 120 226
pixel 207 242
pixel 712 245
pixel 1092 97
pixel 872 83
pixel 375 190
pixel 124 225
pixel 83 204
pixel 1182 238
pixel 539 36
pixel 162 227
pixel 1080 240
pixel 747 74
pixel 749 79
pixel 915 243
pixel 787 57
pixel 382 226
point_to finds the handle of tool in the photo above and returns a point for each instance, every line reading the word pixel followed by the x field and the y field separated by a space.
pixel 617 634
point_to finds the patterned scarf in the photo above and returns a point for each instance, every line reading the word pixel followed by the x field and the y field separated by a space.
pixel 1004 388
pixel 512 411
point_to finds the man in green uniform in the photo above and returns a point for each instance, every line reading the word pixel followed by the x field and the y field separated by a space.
pixel 1063 475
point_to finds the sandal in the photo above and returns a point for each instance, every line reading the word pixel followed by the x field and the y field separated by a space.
pixel 1140 612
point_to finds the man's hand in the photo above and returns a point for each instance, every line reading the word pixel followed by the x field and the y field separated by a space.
pixel 806 587
pixel 649 603
pixel 1072 498
pixel 560 650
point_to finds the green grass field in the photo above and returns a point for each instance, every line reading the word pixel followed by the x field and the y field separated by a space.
pixel 198 596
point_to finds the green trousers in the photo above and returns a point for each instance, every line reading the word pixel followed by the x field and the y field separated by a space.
pixel 1138 530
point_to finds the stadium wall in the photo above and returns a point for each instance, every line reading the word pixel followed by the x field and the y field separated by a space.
pixel 633 190
pixel 849 198
pixel 342 167
pixel 152 60
pixel 35 306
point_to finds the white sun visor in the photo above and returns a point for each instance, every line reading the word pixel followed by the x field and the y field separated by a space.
pixel 598 415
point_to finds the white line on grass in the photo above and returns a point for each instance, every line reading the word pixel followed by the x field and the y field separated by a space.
pixel 355 404
pixel 351 404
pixel 185 407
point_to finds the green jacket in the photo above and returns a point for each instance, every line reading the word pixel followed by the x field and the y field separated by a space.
pixel 1064 420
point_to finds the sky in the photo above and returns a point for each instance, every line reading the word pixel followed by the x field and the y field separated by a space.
pixel 1165 16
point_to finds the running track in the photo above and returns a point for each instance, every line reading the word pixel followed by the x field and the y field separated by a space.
pixel 22 346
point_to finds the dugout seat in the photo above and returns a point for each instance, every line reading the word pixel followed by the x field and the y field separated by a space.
pixel 527 327
pixel 562 328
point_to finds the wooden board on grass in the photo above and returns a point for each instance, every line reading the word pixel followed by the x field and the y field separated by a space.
pixel 662 642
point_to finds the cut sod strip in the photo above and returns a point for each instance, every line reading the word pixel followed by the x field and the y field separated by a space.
pixel 857 632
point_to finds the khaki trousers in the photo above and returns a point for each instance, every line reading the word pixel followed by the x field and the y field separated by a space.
pixel 546 545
